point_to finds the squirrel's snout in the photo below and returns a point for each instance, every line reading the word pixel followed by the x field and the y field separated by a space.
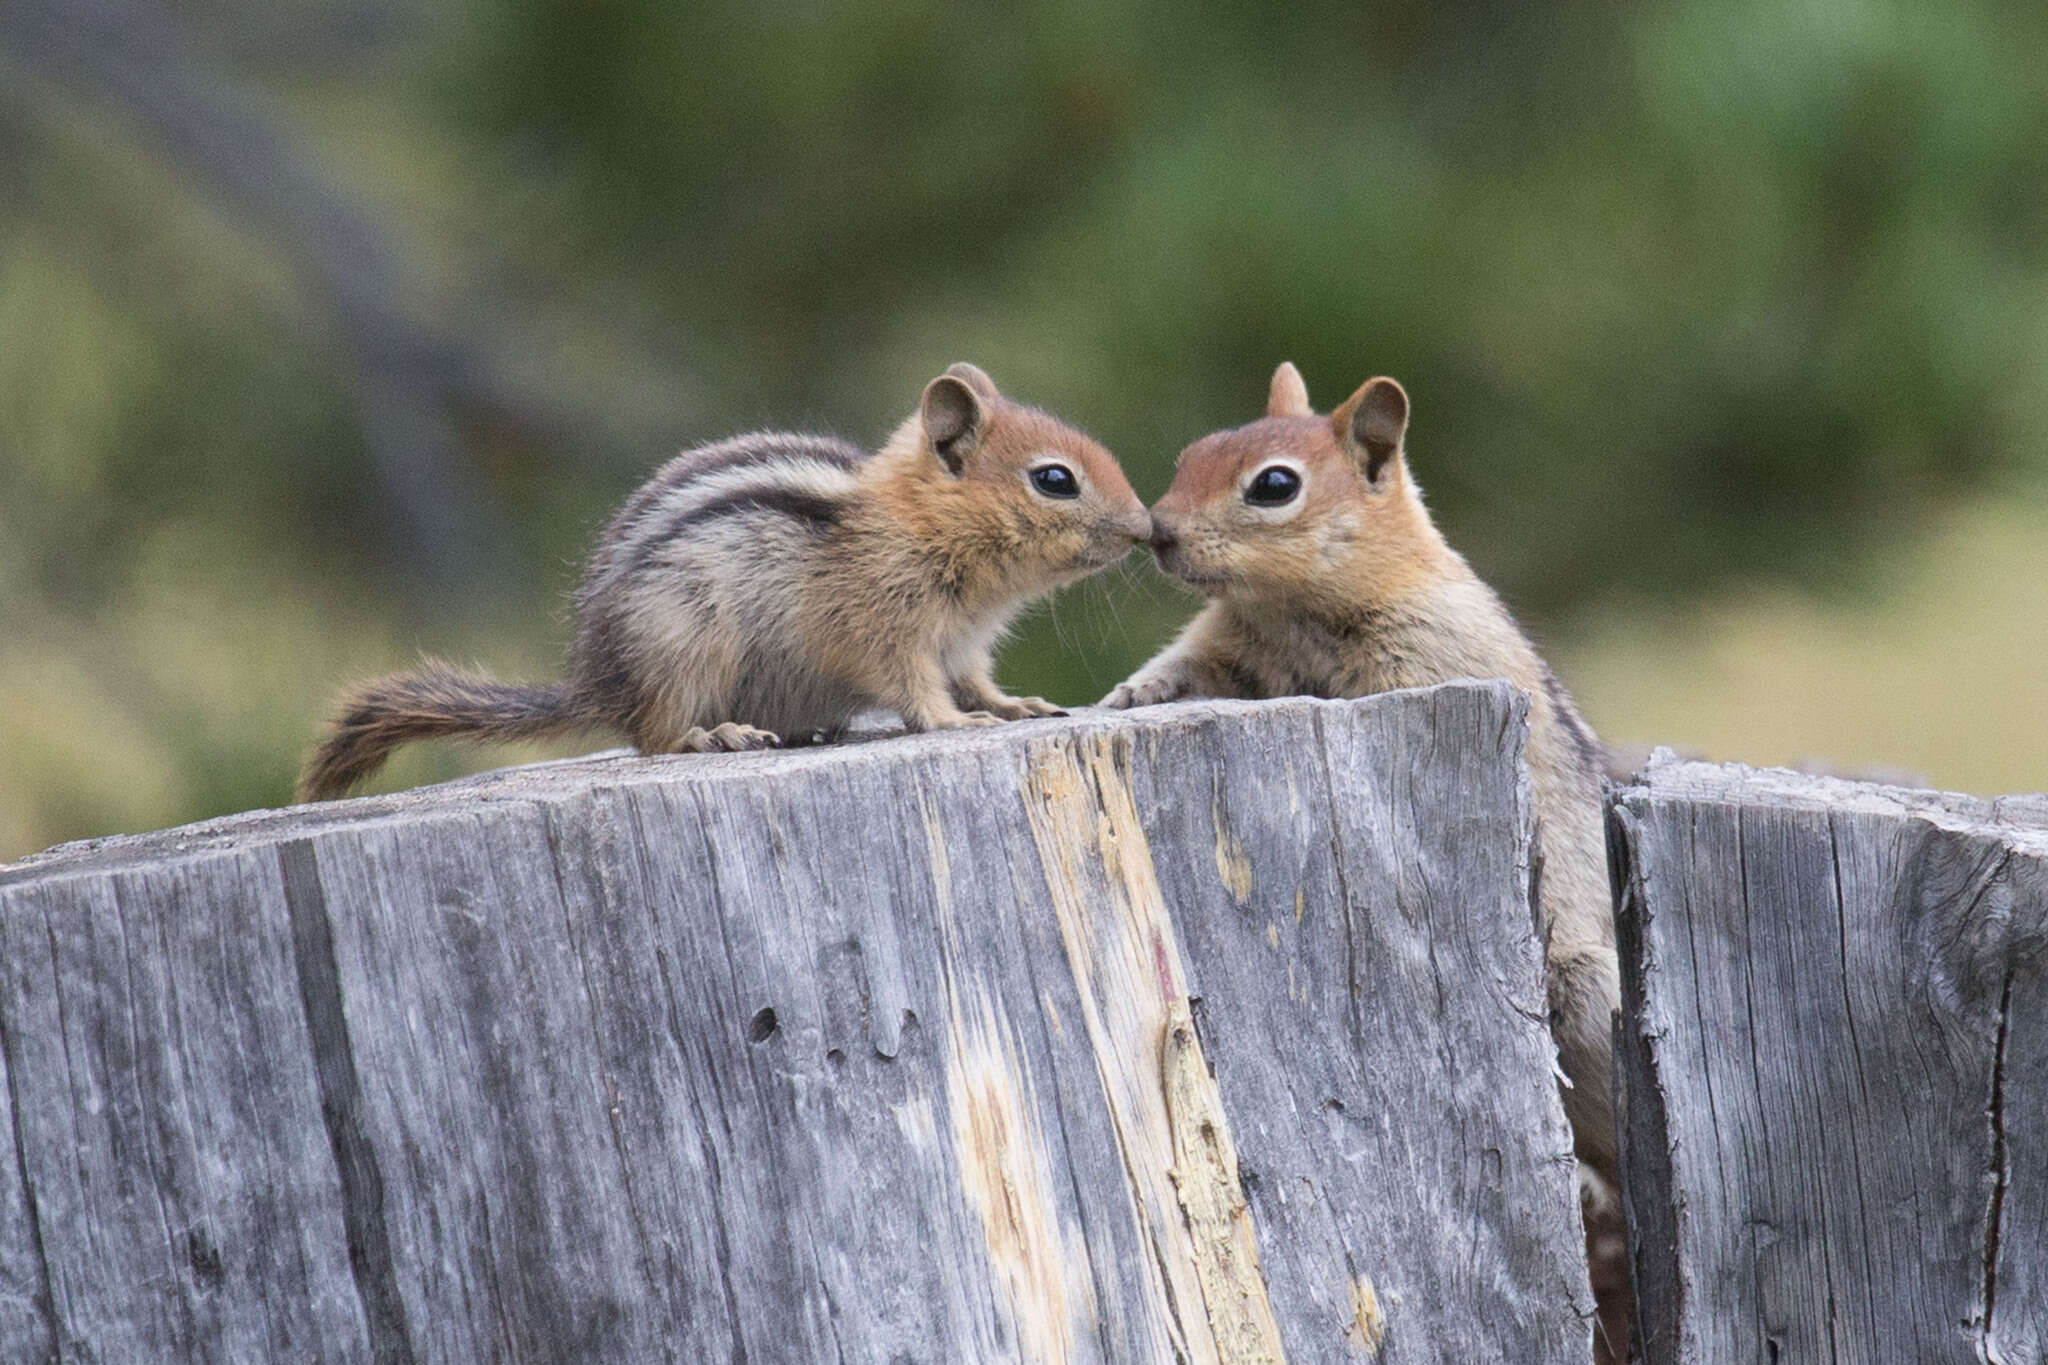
pixel 1137 523
pixel 1162 538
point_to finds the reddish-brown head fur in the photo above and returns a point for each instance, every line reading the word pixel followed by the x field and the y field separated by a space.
pixel 1299 506
pixel 1019 500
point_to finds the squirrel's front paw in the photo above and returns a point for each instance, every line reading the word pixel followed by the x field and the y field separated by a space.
pixel 1024 708
pixel 959 720
pixel 1142 692
pixel 729 738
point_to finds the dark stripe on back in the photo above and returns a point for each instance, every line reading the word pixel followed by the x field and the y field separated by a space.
pixel 812 511
pixel 743 451
pixel 739 452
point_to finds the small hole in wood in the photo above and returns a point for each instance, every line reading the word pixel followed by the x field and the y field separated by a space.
pixel 836 1057
pixel 761 1027
pixel 205 1259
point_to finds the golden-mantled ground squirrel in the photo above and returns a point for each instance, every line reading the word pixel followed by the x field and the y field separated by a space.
pixel 1327 578
pixel 775 585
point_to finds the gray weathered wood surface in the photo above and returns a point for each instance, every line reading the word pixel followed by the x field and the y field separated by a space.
pixel 1208 1033
pixel 1834 1052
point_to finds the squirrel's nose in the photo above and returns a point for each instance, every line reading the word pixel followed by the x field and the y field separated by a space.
pixel 1162 538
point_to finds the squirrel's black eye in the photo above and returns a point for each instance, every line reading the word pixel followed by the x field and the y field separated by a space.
pixel 1272 486
pixel 1056 481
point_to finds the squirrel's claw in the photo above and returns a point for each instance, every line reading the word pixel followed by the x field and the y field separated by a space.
pixel 1142 692
pixel 728 738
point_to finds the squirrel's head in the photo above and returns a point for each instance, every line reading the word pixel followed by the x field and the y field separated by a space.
pixel 1295 503
pixel 1043 502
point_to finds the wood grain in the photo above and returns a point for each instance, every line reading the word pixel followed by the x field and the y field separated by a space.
pixel 1835 1059
pixel 1208 1032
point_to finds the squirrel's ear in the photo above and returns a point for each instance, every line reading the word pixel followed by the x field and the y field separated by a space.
pixel 953 417
pixel 1371 424
pixel 1288 395
pixel 976 378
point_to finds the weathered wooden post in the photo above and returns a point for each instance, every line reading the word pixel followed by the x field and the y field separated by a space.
pixel 1211 1033
pixel 1834 1048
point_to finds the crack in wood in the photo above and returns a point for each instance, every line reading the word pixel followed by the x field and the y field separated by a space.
pixel 1661 1290
pixel 1205 1177
pixel 341 1098
pixel 2000 1175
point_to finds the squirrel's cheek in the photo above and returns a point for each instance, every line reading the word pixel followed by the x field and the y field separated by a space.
pixel 1336 544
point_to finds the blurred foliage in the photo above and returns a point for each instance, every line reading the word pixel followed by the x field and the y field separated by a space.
pixel 1683 294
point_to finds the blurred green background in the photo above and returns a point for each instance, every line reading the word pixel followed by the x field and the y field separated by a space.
pixel 330 332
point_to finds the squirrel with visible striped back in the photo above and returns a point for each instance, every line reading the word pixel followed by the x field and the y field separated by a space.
pixel 775 585
pixel 1326 577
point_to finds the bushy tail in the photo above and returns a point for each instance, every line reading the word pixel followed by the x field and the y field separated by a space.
pixel 432 702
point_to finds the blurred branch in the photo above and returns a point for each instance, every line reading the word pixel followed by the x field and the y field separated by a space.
pixel 140 59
